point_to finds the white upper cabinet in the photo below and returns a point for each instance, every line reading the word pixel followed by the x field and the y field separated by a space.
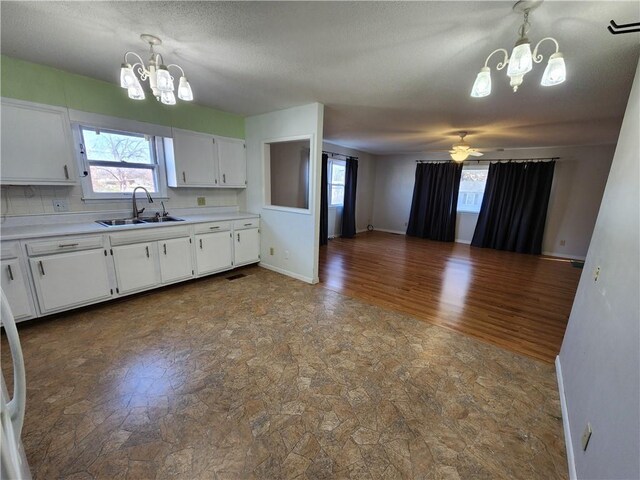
pixel 232 163
pixel 36 145
pixel 200 160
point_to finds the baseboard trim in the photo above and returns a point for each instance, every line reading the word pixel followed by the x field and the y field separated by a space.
pixel 466 242
pixel 288 273
pixel 564 255
pixel 565 422
pixel 397 232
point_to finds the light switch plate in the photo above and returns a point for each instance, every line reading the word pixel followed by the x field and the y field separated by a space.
pixel 202 201
pixel 586 436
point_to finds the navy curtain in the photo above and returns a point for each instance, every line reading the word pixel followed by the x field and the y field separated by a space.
pixel 514 207
pixel 349 206
pixel 435 199
pixel 324 202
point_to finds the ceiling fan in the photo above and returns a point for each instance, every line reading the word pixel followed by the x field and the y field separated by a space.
pixel 461 150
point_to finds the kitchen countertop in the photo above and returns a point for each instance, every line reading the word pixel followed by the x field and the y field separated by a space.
pixel 91 227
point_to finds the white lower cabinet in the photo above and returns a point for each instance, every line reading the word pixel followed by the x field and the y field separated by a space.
pixel 67 280
pixel 247 246
pixel 213 252
pixel 16 289
pixel 175 259
pixel 136 266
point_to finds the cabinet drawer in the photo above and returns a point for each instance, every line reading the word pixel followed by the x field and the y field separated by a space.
pixel 148 235
pixel 9 250
pixel 246 223
pixel 212 227
pixel 69 244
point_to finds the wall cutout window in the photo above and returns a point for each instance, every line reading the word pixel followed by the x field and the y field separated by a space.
pixel 336 175
pixel 117 161
pixel 472 183
pixel 287 173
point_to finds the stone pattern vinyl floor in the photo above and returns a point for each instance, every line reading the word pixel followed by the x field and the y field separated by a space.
pixel 267 377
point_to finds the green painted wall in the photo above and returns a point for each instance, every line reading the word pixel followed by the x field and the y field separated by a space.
pixel 38 83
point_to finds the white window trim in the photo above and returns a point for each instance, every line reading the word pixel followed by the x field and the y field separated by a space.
pixel 477 166
pixel 330 163
pixel 113 123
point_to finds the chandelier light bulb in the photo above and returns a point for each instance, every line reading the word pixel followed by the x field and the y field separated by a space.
pixel 168 98
pixel 521 60
pixel 135 91
pixel 482 85
pixel 184 90
pixel 555 72
pixel 127 77
pixel 164 82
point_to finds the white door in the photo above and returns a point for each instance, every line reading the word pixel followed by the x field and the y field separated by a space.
pixel 233 162
pixel 136 266
pixel 36 145
pixel 16 289
pixel 247 246
pixel 70 279
pixel 213 252
pixel 196 158
pixel 175 259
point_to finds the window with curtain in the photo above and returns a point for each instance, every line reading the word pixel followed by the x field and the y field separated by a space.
pixel 336 176
pixel 472 183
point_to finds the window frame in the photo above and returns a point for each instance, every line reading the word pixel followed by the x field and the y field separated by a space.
pixel 465 207
pixel 157 154
pixel 330 184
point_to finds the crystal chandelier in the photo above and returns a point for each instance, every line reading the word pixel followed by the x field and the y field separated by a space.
pixel 521 60
pixel 160 80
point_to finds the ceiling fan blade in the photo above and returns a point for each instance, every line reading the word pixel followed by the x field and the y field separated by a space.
pixel 475 153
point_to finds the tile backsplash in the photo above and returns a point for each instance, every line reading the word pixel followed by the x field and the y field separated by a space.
pixel 29 200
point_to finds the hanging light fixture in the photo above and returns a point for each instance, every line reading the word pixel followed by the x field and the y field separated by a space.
pixel 522 60
pixel 160 80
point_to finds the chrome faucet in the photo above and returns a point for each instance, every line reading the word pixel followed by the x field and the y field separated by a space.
pixel 136 212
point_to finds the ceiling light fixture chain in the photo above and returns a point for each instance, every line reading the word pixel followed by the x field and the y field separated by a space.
pixel 521 61
pixel 156 72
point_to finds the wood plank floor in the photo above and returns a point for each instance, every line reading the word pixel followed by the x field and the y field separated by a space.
pixel 516 301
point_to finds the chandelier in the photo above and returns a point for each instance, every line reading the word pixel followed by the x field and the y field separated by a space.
pixel 521 60
pixel 160 80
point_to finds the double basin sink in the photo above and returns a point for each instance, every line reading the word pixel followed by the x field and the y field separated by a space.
pixel 135 221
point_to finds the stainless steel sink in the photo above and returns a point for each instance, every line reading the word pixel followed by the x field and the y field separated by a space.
pixel 119 221
pixel 161 219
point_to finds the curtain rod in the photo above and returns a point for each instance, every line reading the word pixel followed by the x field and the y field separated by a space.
pixel 497 160
pixel 333 154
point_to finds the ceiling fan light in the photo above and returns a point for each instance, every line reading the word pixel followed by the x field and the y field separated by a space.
pixel 459 156
pixel 521 60
pixel 164 82
pixel 168 98
pixel 556 71
pixel 127 77
pixel 482 85
pixel 184 90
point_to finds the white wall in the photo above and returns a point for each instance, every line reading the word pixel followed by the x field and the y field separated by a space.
pixel 600 357
pixel 292 234
pixel 579 180
pixel 364 190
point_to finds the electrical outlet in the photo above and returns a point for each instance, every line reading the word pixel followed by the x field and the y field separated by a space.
pixel 271 251
pixel 60 205
pixel 562 243
pixel 586 436
pixel 596 274
pixel 202 201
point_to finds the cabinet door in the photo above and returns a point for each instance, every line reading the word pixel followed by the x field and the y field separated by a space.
pixel 175 259
pixel 136 266
pixel 67 280
pixel 233 163
pixel 195 159
pixel 213 252
pixel 36 145
pixel 16 289
pixel 247 246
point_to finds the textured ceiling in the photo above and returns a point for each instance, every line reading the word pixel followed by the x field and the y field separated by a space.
pixel 394 77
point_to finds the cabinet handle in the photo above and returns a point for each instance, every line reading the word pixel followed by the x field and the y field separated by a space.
pixel 41 267
pixel 10 272
pixel 67 245
pixel 66 172
pixel 224 178
pixel 165 248
pixel 213 228
pixel 247 224
pixel 238 237
pixel 200 244
pixel 184 176
pixel 147 250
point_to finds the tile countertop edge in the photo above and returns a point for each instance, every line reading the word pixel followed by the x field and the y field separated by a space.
pixel 86 228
